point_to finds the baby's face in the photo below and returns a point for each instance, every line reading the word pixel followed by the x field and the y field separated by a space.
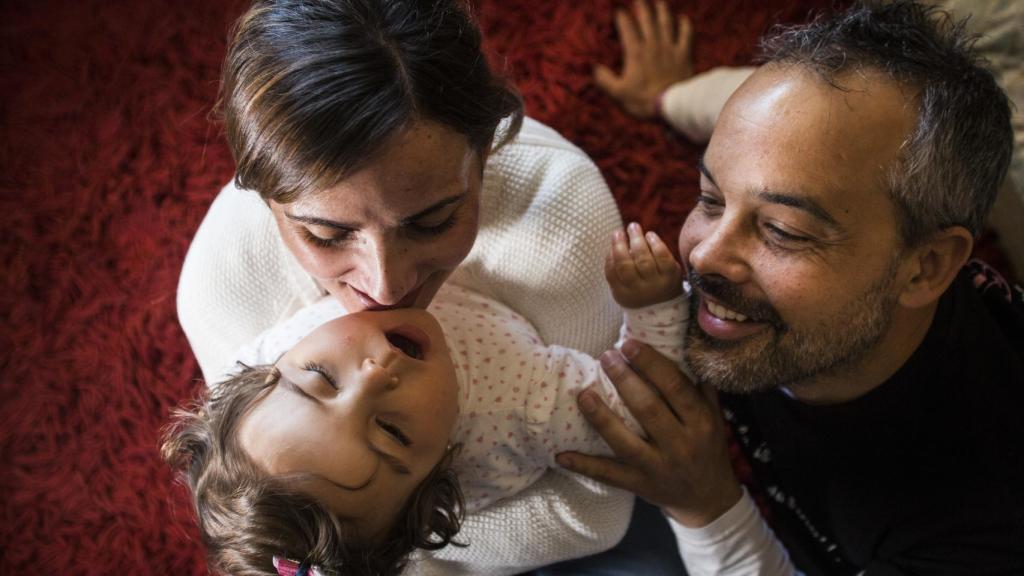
pixel 362 412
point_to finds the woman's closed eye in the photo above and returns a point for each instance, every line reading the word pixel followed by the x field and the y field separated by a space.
pixel 322 242
pixel 435 224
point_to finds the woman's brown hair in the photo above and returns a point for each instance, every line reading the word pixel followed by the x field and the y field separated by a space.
pixel 247 517
pixel 312 90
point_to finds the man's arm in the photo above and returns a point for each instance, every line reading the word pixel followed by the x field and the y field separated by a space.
pixel 683 464
pixel 657 76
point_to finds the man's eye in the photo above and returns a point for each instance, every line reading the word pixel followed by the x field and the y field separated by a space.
pixel 781 234
pixel 395 432
pixel 708 203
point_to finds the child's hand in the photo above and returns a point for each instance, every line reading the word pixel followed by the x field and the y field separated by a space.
pixel 640 269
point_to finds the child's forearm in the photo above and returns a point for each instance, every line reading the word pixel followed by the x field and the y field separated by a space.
pixel 555 421
pixel 662 326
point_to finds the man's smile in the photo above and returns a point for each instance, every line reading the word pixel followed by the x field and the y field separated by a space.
pixel 721 323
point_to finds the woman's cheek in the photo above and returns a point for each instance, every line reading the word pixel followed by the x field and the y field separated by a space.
pixel 321 263
pixel 460 241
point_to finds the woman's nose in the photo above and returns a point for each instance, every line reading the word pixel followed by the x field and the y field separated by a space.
pixel 389 271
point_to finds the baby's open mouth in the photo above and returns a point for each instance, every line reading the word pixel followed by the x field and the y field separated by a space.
pixel 410 340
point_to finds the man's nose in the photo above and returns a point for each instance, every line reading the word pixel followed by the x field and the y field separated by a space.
pixel 722 252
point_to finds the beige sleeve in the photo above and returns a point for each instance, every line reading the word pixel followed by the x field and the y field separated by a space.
pixel 692 106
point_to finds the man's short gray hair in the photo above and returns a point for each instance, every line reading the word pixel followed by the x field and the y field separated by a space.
pixel 957 156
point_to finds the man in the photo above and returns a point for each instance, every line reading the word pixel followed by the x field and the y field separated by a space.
pixel 874 389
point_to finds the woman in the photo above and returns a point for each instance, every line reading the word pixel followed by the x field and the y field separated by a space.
pixel 377 158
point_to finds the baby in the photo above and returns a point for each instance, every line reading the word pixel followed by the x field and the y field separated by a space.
pixel 372 434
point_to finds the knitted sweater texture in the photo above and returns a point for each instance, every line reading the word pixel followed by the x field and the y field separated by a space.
pixel 545 218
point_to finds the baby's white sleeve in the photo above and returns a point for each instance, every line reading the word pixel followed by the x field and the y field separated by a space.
pixel 555 423
pixel 662 326
pixel 275 341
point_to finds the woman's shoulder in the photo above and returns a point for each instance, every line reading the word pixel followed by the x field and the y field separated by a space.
pixel 540 168
pixel 536 145
pixel 237 279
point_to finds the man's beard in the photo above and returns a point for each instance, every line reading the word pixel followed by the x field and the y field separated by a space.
pixel 784 355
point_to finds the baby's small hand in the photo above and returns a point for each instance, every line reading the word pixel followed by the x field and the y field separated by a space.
pixel 641 270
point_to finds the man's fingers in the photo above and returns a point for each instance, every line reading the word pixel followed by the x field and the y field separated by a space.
pixel 684 37
pixel 711 395
pixel 666 29
pixel 646 405
pixel 628 34
pixel 645 22
pixel 682 396
pixel 606 470
pixel 623 442
pixel 607 80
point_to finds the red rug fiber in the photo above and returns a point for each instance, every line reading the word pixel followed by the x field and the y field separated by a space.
pixel 108 163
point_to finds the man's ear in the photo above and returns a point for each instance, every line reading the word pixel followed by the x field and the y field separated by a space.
pixel 934 265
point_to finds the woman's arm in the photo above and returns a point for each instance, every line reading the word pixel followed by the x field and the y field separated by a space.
pixel 546 216
pixel 238 280
pixel 561 516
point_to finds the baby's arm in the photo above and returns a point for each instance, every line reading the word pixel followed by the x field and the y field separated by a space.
pixel 647 281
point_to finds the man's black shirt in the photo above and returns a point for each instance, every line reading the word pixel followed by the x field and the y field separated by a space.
pixel 922 475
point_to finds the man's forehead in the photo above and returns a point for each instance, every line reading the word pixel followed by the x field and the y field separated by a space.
pixel 788 128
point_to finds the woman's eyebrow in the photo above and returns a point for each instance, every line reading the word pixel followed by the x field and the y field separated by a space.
pixel 316 221
pixel 435 207
pixel 349 227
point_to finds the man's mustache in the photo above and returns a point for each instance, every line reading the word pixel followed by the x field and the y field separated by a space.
pixel 729 295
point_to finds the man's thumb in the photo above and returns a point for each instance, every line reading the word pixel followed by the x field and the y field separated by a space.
pixel 606 79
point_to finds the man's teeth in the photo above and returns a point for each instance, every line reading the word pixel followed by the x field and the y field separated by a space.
pixel 724 313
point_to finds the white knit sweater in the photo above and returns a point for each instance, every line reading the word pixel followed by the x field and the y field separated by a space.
pixel 546 216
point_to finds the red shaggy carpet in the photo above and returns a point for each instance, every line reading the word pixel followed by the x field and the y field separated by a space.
pixel 107 164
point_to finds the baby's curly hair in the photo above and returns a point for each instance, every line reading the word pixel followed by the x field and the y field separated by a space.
pixel 247 517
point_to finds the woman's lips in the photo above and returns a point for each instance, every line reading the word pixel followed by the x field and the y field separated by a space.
pixel 407 301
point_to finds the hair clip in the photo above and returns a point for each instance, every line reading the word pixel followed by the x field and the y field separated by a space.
pixel 286 567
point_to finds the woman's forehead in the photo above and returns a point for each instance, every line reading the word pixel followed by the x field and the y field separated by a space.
pixel 419 166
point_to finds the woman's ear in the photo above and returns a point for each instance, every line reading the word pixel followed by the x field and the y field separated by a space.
pixel 934 265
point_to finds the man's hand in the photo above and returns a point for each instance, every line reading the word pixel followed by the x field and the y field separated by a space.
pixel 640 269
pixel 683 465
pixel 655 54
